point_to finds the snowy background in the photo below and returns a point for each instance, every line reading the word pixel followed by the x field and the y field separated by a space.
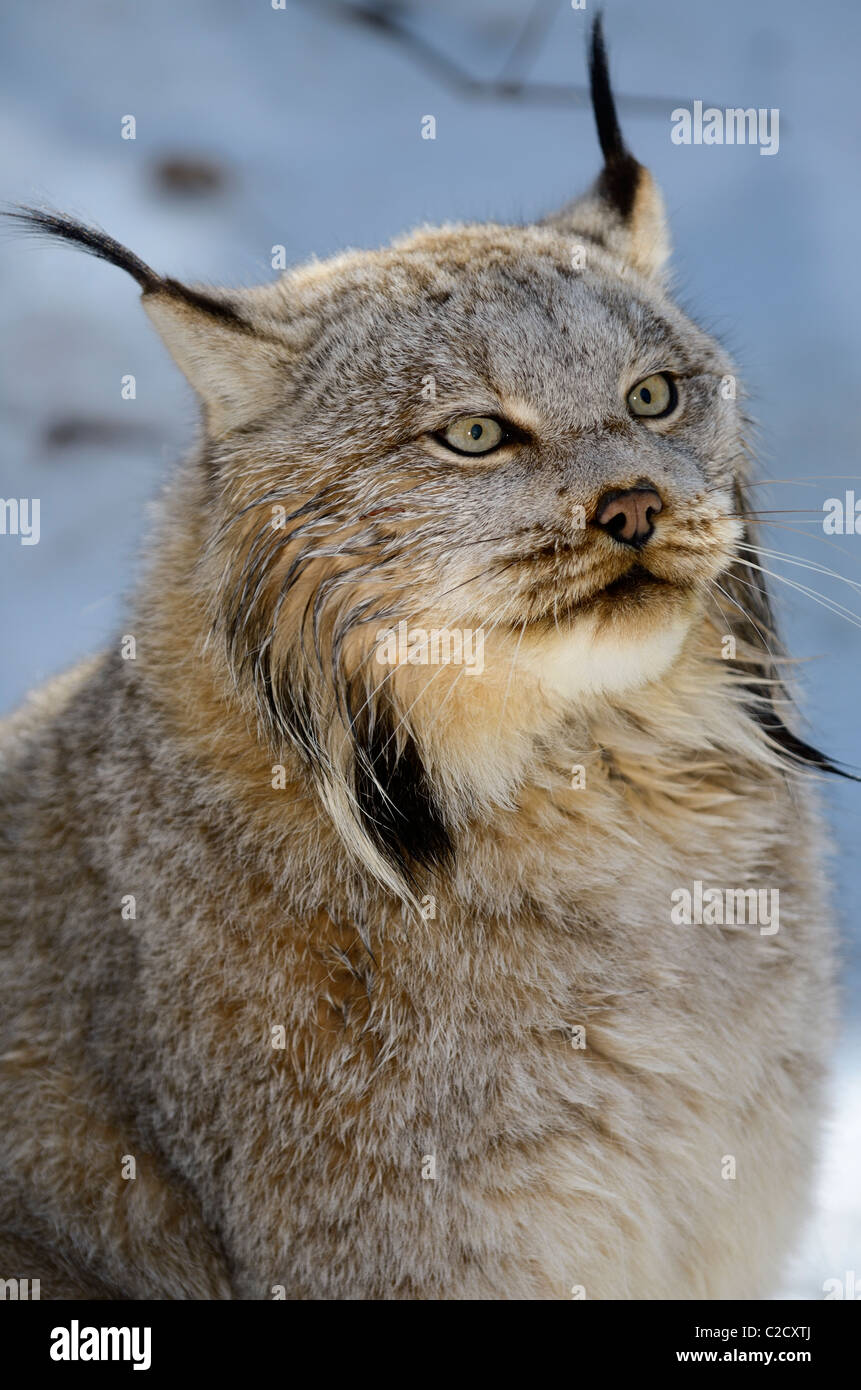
pixel 258 127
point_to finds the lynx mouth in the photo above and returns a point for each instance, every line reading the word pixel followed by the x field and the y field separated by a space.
pixel 632 583
pixel 638 591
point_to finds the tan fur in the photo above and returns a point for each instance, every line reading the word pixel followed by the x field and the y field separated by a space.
pixel 418 1028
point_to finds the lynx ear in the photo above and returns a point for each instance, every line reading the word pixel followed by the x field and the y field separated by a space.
pixel 623 210
pixel 224 357
pixel 220 354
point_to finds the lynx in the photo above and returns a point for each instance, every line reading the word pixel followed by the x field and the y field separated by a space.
pixel 383 1002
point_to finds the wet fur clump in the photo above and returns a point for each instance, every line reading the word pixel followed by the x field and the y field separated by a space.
pixel 371 967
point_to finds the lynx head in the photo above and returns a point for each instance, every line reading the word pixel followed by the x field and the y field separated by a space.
pixel 454 489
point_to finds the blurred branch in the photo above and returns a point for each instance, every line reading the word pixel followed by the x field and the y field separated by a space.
pixel 528 43
pixel 384 19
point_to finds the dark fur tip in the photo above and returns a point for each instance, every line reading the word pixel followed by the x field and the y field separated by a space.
pixel 57 226
pixel 397 805
pixel 609 132
pixel 795 749
pixel 621 175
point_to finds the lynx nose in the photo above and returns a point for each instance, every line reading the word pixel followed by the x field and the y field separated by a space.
pixel 627 515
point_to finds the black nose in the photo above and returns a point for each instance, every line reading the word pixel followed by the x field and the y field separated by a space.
pixel 627 514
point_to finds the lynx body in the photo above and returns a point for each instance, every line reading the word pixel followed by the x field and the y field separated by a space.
pixel 372 970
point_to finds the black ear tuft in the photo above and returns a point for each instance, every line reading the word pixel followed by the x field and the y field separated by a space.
pixel 603 105
pixel 57 226
pixel 621 174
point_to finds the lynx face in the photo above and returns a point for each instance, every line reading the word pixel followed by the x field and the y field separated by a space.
pixel 469 451
pixel 487 432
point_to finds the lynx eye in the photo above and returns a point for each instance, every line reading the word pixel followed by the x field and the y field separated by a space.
pixel 473 434
pixel 655 395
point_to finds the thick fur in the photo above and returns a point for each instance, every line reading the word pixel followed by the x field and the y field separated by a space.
pixel 391 863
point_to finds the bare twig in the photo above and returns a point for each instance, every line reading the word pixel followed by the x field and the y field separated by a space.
pixel 384 19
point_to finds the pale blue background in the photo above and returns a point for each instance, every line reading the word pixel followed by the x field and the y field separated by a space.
pixel 316 124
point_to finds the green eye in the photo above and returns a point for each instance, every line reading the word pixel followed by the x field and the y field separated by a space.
pixel 654 396
pixel 474 434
